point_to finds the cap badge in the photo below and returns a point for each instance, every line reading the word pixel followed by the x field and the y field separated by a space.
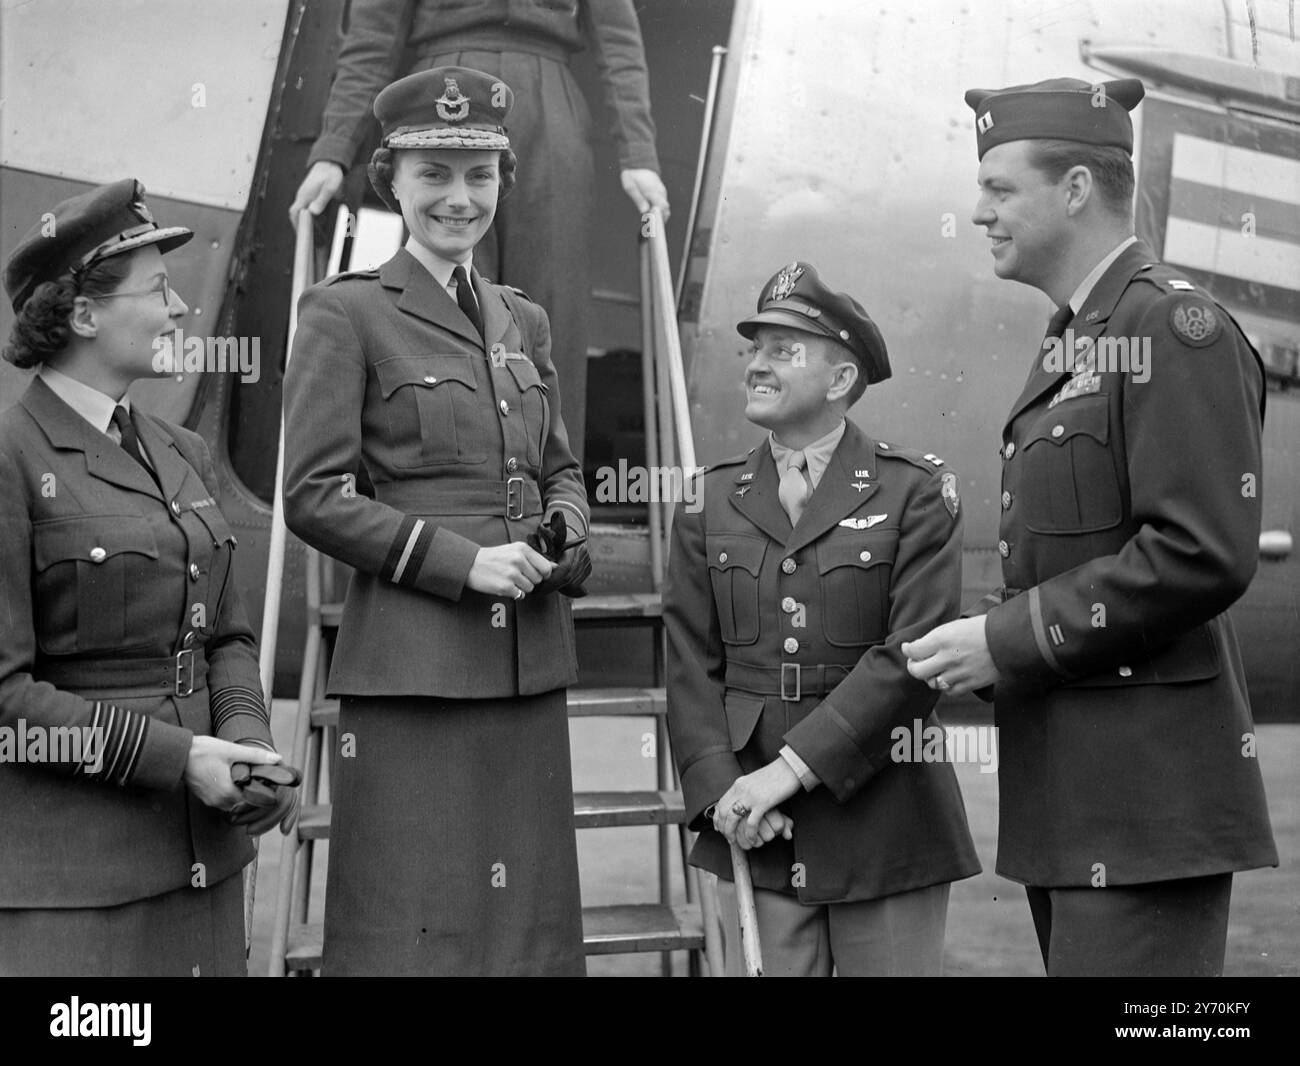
pixel 985 122
pixel 785 282
pixel 141 210
pixel 452 105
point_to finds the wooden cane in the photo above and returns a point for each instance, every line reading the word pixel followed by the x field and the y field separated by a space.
pixel 749 944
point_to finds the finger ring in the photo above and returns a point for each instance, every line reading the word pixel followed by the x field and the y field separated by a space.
pixel 739 809
pixel 519 594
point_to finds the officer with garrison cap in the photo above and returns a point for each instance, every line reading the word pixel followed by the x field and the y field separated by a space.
pixel 1130 789
pixel 789 593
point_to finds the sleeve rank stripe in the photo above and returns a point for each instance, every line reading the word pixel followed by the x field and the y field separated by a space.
pixel 1040 633
pixel 140 723
pixel 237 700
pixel 423 540
pixel 575 509
pixel 399 552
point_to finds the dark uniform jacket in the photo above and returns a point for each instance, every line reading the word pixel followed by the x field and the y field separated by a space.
pixel 874 561
pixel 1130 524
pixel 407 448
pixel 110 589
pixel 379 31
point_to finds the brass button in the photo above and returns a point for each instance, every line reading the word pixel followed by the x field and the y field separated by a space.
pixel 791 645
pixel 512 464
pixel 787 566
pixel 429 379
pixel 1004 549
pixel 189 639
pixel 722 557
pixel 1006 500
pixel 1009 450
pixel 176 508
pixel 98 555
pixel 1057 431
pixel 788 605
pixel 194 571
pixel 1126 671
pixel 865 557
pixel 505 408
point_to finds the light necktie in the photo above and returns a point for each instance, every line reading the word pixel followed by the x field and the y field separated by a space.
pixel 793 490
pixel 465 299
pixel 130 439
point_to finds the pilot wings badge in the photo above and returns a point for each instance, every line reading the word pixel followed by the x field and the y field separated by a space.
pixel 786 281
pixel 452 105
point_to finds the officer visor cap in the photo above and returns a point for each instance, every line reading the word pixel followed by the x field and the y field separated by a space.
pixel 106 221
pixel 446 107
pixel 1065 109
pixel 796 297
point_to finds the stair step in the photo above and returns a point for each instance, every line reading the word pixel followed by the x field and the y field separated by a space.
pixel 642 927
pixel 618 702
pixel 599 810
pixel 614 930
pixel 616 607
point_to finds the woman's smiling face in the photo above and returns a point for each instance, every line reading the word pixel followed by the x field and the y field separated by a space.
pixel 448 196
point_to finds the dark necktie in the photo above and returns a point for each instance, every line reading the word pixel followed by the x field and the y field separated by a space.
pixel 130 439
pixel 465 299
pixel 1058 322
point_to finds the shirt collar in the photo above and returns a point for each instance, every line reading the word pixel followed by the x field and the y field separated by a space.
pixel 818 453
pixel 440 268
pixel 1087 284
pixel 94 406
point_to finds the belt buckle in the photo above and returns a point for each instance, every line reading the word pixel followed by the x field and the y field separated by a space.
pixel 185 672
pixel 798 687
pixel 515 497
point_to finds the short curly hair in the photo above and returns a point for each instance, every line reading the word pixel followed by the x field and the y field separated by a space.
pixel 41 327
pixel 382 166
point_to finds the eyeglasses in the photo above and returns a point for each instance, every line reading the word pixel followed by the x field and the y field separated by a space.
pixel 163 287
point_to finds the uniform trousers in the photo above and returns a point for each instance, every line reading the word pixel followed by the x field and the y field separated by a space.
pixel 1162 929
pixel 895 936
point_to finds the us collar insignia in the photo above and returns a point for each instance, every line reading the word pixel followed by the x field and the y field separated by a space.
pixel 785 282
pixel 747 476
pixel 452 106
pixel 862 473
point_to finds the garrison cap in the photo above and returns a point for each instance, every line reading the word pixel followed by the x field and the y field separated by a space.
pixel 108 220
pixel 446 107
pixel 1065 109
pixel 796 297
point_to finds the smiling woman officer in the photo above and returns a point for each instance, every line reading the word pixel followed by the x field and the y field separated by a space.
pixel 452 848
pixel 128 672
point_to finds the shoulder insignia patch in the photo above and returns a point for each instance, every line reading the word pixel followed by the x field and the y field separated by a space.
pixel 948 489
pixel 1197 322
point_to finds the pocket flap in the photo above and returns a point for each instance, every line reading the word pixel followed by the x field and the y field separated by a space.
pixel 860 550
pixel 728 550
pixel 216 523
pixel 743 712
pixel 525 374
pixel 424 371
pixel 85 537
pixel 1089 416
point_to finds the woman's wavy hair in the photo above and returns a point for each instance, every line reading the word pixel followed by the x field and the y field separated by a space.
pixel 41 328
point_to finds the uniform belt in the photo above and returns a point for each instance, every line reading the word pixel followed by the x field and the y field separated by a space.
pixel 516 497
pixel 791 681
pixel 492 40
pixel 181 674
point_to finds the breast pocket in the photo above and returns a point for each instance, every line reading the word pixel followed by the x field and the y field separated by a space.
pixel 1070 483
pixel 855 573
pixel 93 574
pixel 433 414
pixel 735 560
pixel 535 404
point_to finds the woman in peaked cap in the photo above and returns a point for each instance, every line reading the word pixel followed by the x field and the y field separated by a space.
pixel 452 847
pixel 128 674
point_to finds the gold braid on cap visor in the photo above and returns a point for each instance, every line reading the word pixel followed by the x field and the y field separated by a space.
pixel 469 137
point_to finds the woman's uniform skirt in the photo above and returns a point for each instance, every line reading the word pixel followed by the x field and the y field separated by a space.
pixel 452 848
pixel 188 932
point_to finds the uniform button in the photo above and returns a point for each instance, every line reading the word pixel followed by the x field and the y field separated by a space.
pixel 98 555
pixel 1006 500
pixel 865 556
pixel 512 464
pixel 189 639
pixel 1009 450
pixel 1004 549
pixel 787 566
pixel 505 408
pixel 788 605
pixel 176 508
pixel 1126 671
pixel 429 379
pixel 1057 430
pixel 791 645
pixel 194 571
pixel 722 557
